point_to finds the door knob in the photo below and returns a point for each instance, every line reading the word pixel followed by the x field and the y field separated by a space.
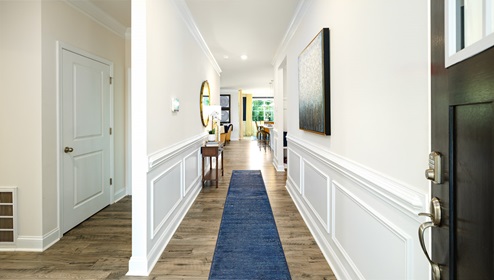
pixel 68 150
pixel 435 216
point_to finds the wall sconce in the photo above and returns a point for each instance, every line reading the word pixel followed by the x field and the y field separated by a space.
pixel 175 105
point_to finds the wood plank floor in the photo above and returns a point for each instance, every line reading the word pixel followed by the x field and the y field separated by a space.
pixel 100 247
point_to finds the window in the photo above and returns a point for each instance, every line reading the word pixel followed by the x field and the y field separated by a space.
pixel 469 28
pixel 263 109
pixel 225 108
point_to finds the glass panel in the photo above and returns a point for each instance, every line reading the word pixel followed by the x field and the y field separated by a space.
pixel 263 109
pixel 489 17
pixel 473 21
pixel 469 29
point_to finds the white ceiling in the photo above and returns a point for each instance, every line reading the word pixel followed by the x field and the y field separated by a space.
pixel 232 28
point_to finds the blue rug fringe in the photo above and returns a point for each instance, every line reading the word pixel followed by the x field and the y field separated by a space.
pixel 248 245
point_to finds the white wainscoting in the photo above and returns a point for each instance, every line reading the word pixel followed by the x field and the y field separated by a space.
pixel 166 195
pixel 365 224
pixel 174 181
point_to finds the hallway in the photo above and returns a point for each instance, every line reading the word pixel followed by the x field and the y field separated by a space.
pixel 100 247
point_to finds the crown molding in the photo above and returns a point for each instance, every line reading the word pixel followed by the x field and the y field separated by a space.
pixel 99 16
pixel 191 24
pixel 302 8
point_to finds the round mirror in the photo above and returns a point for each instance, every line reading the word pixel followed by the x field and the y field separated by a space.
pixel 204 101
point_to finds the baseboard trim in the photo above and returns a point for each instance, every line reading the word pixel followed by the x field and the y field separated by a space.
pixel 26 243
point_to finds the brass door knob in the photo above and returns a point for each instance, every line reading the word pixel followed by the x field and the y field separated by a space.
pixel 68 150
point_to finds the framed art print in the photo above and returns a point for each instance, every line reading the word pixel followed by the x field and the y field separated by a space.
pixel 314 85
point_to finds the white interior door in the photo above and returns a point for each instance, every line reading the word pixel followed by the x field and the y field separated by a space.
pixel 85 122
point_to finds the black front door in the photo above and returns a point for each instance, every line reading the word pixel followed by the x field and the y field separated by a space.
pixel 463 132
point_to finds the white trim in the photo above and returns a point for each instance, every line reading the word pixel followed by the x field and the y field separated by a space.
pixel 191 25
pixel 128 137
pixel 404 198
pixel 155 229
pixel 142 266
pixel 25 243
pixel 169 152
pixel 98 15
pixel 186 189
pixel 335 263
pixel 138 263
pixel 15 218
pixel 324 223
pixel 392 228
pixel 298 184
pixel 300 11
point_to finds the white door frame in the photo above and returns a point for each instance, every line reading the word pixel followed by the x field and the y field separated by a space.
pixel 60 47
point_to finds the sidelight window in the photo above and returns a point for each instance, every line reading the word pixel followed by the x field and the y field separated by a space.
pixel 469 28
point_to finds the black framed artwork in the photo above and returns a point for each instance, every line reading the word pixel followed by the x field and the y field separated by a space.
pixel 314 85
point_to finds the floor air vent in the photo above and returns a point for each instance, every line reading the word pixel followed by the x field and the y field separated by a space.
pixel 7 215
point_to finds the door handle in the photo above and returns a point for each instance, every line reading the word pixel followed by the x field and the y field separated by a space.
pixel 68 150
pixel 435 216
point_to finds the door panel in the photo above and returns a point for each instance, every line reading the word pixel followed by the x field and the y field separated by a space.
pixel 85 138
pixel 473 150
pixel 462 114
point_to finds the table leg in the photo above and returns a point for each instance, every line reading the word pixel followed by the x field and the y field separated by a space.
pixel 217 171
pixel 203 171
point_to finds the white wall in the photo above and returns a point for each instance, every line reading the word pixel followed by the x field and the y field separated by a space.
pixel 70 26
pixel 20 109
pixel 29 102
pixel 361 188
pixel 177 68
pixel 168 61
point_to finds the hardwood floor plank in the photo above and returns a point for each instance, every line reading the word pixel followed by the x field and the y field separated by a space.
pixel 100 247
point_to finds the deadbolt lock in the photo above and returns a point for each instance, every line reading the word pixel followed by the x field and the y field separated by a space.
pixel 434 172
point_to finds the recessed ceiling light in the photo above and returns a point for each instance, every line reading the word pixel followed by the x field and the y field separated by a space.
pixel 243 57
pixel 226 57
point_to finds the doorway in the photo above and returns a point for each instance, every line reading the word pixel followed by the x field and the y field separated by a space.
pixel 85 124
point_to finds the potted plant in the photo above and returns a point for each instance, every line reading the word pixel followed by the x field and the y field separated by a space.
pixel 212 135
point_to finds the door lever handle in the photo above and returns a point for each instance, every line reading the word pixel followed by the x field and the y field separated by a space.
pixel 436 271
pixel 435 216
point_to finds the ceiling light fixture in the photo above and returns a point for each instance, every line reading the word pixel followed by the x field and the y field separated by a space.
pixel 243 57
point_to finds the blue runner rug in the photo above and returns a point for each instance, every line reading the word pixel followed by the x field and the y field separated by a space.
pixel 248 245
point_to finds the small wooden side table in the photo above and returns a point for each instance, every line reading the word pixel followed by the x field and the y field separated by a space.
pixel 212 174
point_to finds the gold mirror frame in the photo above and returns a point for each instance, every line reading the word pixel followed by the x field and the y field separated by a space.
pixel 204 92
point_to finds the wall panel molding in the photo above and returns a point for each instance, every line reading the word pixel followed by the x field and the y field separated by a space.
pixel 366 213
pixel 317 202
pixel 162 206
pixel 404 198
pixel 294 169
pixel 166 154
pixel 173 183
pixel 190 178
pixel 375 218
